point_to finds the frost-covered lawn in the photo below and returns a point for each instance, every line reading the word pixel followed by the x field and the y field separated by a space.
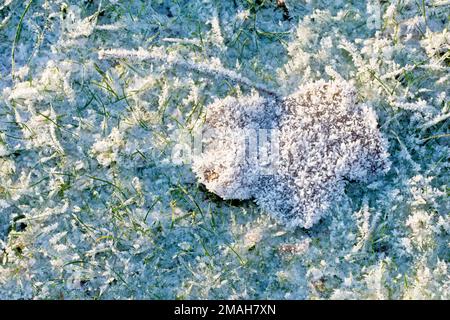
pixel 92 205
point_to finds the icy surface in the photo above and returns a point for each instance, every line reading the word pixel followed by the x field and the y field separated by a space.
pixel 92 207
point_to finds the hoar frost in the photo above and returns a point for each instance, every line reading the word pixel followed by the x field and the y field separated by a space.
pixel 91 207
pixel 325 139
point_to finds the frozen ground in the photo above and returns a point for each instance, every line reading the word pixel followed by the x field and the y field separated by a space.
pixel 92 207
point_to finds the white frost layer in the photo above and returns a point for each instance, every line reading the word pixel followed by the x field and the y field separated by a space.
pixel 325 139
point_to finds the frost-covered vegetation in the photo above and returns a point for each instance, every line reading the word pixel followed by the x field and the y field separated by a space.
pixel 93 207
pixel 292 155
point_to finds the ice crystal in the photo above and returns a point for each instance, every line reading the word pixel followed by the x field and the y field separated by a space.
pixel 325 139
pixel 92 207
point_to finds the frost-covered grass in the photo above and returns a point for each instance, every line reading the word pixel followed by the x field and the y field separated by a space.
pixel 92 207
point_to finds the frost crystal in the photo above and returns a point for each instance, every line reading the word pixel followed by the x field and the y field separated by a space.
pixel 325 139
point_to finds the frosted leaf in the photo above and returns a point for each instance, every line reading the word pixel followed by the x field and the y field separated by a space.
pixel 325 138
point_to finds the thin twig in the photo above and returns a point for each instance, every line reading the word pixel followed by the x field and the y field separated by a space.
pixel 214 71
